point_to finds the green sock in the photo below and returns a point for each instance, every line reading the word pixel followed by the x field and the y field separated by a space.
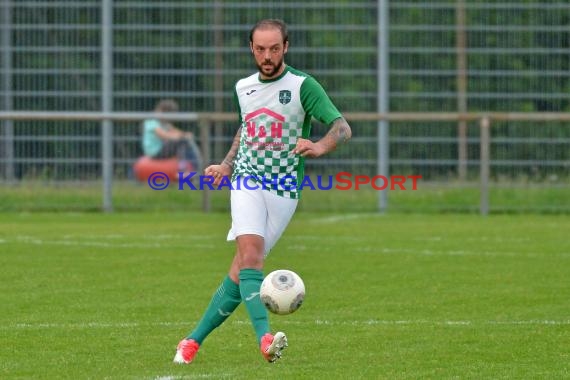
pixel 249 283
pixel 223 303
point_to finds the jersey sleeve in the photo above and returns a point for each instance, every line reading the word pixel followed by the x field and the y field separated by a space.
pixel 317 103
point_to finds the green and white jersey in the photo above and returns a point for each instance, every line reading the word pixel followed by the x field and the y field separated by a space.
pixel 273 115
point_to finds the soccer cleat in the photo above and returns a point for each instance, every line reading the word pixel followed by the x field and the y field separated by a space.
pixel 271 346
pixel 186 350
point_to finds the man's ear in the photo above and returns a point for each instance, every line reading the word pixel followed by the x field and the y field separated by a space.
pixel 286 47
pixel 251 47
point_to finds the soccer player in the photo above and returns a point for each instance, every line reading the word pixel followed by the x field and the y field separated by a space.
pixel 265 161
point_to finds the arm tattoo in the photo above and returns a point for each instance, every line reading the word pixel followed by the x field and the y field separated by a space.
pixel 338 133
pixel 230 157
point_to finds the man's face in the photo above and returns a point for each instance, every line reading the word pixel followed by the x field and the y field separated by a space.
pixel 269 52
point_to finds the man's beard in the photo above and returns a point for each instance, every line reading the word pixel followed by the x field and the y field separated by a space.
pixel 274 71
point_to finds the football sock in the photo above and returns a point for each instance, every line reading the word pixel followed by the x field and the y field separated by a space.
pixel 223 303
pixel 249 284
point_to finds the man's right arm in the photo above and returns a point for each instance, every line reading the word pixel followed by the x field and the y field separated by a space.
pixel 231 156
pixel 225 169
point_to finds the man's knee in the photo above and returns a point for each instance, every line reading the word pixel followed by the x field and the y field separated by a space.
pixel 251 249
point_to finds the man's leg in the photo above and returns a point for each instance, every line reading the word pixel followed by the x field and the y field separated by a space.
pixel 224 301
pixel 249 268
pixel 250 227
pixel 250 254
pixel 280 210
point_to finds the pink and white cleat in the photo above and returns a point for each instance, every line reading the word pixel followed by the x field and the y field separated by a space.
pixel 186 350
pixel 271 346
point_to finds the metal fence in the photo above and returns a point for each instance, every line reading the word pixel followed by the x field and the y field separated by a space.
pixel 398 56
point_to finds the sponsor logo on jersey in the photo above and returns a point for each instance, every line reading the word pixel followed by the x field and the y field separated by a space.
pixel 264 129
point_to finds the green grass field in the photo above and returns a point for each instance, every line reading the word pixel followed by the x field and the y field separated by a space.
pixel 99 296
pixel 128 196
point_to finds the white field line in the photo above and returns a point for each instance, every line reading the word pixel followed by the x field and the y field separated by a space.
pixel 195 376
pixel 298 247
pixel 435 239
pixel 486 239
pixel 170 241
pixel 427 252
pixel 172 237
pixel 344 217
pixel 317 322
pixel 432 252
pixel 182 242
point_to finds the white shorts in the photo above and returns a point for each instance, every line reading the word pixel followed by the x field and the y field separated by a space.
pixel 260 212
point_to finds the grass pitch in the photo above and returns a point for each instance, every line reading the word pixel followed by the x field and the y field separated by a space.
pixel 388 297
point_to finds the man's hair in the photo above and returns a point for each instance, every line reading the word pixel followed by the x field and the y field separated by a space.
pixel 167 105
pixel 271 23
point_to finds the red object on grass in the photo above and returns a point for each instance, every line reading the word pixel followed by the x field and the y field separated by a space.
pixel 146 166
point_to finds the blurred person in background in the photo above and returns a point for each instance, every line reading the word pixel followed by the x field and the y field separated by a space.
pixel 162 140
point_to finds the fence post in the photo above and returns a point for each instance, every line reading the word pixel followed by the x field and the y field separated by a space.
pixel 383 74
pixel 461 59
pixel 6 102
pixel 484 162
pixel 107 102
pixel 205 139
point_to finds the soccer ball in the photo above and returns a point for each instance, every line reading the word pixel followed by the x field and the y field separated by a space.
pixel 282 291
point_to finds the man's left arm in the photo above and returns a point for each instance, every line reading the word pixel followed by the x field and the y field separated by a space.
pixel 339 133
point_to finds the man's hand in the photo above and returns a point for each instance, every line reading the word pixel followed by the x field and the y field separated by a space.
pixel 307 148
pixel 218 172
pixel 339 133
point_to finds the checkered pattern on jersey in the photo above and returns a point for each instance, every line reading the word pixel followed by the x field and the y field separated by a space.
pixel 265 153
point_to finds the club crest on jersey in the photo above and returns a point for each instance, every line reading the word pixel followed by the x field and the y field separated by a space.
pixel 284 96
